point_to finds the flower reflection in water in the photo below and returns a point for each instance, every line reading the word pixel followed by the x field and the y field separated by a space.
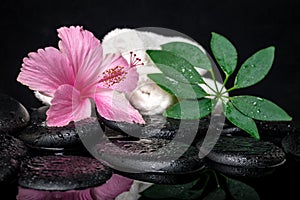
pixel 109 191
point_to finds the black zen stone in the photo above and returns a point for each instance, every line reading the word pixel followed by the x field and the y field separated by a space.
pixel 291 144
pixel 158 126
pixel 8 170
pixel 40 136
pixel 12 150
pixel 152 160
pixel 237 171
pixel 246 152
pixel 275 131
pixel 62 173
pixel 13 115
pixel 38 115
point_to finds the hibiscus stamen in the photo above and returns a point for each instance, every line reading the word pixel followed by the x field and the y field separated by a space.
pixel 134 60
pixel 113 75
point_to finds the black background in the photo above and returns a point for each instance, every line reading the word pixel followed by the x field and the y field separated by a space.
pixel 250 25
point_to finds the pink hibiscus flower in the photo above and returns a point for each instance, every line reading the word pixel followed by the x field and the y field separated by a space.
pixel 78 72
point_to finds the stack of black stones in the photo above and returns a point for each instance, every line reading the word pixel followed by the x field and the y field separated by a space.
pixel 35 156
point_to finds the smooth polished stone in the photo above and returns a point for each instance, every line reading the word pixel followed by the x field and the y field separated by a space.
pixel 110 190
pixel 152 160
pixel 12 150
pixel 237 171
pixel 246 152
pixel 275 131
pixel 12 147
pixel 38 115
pixel 42 137
pixel 13 115
pixel 291 144
pixel 61 173
pixel 158 126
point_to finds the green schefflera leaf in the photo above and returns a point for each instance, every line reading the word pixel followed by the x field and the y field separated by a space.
pixel 259 108
pixel 183 191
pixel 190 109
pixel 189 52
pixel 255 68
pixel 241 191
pixel 217 194
pixel 178 89
pixel 240 120
pixel 224 53
pixel 175 67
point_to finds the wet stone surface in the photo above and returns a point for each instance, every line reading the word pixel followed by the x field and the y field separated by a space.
pixel 39 136
pixel 275 131
pixel 246 152
pixel 8 170
pixel 38 115
pixel 13 115
pixel 158 126
pixel 291 144
pixel 62 173
pixel 152 160
pixel 237 171
pixel 12 151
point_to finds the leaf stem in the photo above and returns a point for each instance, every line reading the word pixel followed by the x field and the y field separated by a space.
pixel 230 89
pixel 210 95
pixel 224 83
pixel 216 177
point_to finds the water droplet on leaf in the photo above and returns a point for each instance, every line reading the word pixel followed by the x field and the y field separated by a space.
pixel 258 111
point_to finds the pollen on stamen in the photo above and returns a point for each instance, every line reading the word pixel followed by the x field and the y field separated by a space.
pixel 113 76
pixel 134 60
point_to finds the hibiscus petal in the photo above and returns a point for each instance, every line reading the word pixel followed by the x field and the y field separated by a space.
pixel 31 194
pixel 112 60
pixel 88 74
pixel 114 106
pixel 129 83
pixel 127 75
pixel 46 70
pixel 76 43
pixel 112 188
pixel 66 106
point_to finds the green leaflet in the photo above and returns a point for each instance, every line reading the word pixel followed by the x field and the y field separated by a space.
pixel 217 194
pixel 183 191
pixel 224 53
pixel 240 120
pixel 189 52
pixel 259 108
pixel 255 68
pixel 175 67
pixel 178 89
pixel 241 191
pixel 177 62
pixel 190 109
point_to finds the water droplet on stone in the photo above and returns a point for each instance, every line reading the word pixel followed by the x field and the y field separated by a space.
pixel 22 119
pixel 12 113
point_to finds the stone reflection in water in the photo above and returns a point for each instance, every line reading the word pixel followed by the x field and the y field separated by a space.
pixel 109 191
